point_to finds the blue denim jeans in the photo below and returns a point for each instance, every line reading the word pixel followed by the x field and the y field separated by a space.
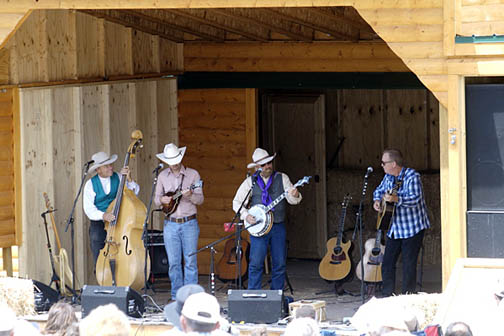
pixel 275 239
pixel 181 239
pixel 97 237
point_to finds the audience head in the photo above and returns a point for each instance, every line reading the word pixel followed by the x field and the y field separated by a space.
pixel 60 317
pixel 105 320
pixel 306 311
pixel 7 320
pixel 173 310
pixel 201 313
pixel 23 328
pixel 458 329
pixel 303 326
pixel 259 331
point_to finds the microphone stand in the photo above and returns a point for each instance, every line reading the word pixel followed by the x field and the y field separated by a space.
pixel 70 222
pixel 145 235
pixel 359 227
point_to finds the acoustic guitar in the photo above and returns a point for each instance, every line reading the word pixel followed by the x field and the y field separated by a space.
pixel 227 265
pixel 60 262
pixel 336 264
pixel 176 195
pixel 387 209
pixel 372 259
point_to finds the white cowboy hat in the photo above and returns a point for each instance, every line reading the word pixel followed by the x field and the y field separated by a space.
pixel 101 159
pixel 172 155
pixel 260 157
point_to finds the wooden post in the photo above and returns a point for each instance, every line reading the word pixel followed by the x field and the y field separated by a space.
pixel 7 260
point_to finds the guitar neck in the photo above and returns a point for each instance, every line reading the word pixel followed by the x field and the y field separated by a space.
pixel 378 239
pixel 342 225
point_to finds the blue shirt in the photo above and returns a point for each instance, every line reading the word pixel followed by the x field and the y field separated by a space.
pixel 410 215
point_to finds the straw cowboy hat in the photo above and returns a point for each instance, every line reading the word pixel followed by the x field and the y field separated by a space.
pixel 260 157
pixel 101 159
pixel 171 155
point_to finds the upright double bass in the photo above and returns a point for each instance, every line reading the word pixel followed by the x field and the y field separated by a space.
pixel 121 262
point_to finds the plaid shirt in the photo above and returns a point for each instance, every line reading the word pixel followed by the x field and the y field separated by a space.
pixel 410 215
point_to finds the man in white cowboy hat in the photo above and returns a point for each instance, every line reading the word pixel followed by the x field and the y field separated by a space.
pixel 269 185
pixel 181 228
pixel 99 192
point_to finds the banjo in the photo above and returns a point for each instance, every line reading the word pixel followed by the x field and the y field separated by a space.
pixel 263 214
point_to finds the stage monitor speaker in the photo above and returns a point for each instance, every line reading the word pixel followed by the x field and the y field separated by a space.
pixel 255 306
pixel 159 261
pixel 125 298
pixel 45 296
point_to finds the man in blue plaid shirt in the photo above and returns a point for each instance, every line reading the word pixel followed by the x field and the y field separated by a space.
pixel 408 223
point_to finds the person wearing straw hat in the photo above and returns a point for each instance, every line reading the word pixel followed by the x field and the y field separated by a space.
pixel 269 185
pixel 180 230
pixel 99 192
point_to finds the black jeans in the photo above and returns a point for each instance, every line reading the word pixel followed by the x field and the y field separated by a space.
pixel 97 237
pixel 409 248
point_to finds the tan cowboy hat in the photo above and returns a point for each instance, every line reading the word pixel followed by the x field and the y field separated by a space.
pixel 260 157
pixel 101 159
pixel 171 155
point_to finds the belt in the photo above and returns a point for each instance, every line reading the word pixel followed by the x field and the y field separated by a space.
pixel 182 219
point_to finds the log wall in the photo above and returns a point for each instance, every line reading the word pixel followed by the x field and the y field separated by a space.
pixel 218 128
pixel 61 127
pixel 63 45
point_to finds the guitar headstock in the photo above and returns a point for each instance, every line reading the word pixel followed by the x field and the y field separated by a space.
pixel 346 201
pixel 303 181
pixel 47 202
pixel 198 184
pixel 136 142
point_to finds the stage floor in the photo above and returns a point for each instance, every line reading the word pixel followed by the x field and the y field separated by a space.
pixel 307 285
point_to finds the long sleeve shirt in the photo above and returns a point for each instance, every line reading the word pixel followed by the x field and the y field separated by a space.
pixel 410 214
pixel 169 182
pixel 247 184
pixel 89 195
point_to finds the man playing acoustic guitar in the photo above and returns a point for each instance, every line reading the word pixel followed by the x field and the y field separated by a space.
pixel 268 186
pixel 408 222
pixel 181 228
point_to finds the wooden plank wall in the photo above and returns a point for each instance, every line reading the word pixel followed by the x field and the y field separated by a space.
pixel 371 120
pixel 212 124
pixel 481 18
pixel 65 45
pixel 10 233
pixel 61 128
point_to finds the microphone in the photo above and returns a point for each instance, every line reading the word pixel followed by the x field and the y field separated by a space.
pixel 89 162
pixel 369 171
pixel 160 166
pixel 48 211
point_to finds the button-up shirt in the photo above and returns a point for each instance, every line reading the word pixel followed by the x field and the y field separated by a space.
pixel 89 196
pixel 247 184
pixel 169 182
pixel 410 214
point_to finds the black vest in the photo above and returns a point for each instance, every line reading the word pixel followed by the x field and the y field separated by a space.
pixel 275 190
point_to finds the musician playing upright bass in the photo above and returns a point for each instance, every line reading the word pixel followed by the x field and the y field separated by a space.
pixel 181 228
pixel 408 223
pixel 269 185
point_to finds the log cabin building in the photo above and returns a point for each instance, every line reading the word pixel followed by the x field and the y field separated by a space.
pixel 325 84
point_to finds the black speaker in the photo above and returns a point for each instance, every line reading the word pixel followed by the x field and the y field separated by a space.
pixel 157 253
pixel 126 299
pixel 255 306
pixel 45 296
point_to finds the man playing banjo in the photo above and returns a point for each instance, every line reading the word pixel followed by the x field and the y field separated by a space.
pixel 266 185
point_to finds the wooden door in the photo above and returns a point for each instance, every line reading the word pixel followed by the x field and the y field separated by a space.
pixel 294 129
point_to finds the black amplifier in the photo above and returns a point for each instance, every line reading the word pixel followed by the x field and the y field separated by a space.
pixel 125 298
pixel 255 306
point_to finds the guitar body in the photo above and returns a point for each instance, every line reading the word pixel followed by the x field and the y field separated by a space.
pixel 385 216
pixel 336 264
pixel 227 265
pixel 372 263
pixel 171 207
pixel 64 272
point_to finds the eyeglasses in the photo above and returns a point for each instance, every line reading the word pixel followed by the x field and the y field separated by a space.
pixel 383 163
pixel 265 164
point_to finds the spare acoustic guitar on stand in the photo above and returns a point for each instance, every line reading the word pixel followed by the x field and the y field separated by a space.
pixel 336 264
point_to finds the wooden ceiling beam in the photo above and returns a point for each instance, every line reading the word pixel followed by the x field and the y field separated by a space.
pixel 312 25
pixel 103 14
pixel 174 26
pixel 248 20
pixel 339 18
pixel 184 13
